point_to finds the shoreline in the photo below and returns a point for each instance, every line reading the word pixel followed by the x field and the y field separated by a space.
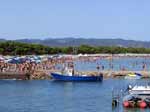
pixel 47 64
pixel 45 75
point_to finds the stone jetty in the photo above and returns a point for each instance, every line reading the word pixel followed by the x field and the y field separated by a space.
pixel 115 74
pixel 14 75
pixel 45 74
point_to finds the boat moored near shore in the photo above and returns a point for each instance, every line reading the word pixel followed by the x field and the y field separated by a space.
pixel 139 96
pixel 133 76
pixel 65 77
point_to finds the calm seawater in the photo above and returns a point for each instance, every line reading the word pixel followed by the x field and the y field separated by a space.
pixel 54 96
pixel 129 63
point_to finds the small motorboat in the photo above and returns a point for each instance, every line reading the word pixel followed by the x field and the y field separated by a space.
pixel 68 74
pixel 133 76
pixel 138 96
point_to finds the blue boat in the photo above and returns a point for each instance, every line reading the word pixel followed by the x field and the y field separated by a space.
pixel 66 77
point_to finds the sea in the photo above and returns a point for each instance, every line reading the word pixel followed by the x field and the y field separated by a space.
pixel 116 64
pixel 55 96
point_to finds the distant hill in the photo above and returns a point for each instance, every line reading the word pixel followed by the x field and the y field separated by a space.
pixel 80 41
pixel 2 40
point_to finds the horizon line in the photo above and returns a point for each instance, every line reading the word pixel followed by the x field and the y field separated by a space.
pixel 72 38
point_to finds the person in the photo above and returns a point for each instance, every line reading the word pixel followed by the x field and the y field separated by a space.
pixel 98 67
pixel 144 66
pixel 63 68
pixel 102 67
pixel 72 67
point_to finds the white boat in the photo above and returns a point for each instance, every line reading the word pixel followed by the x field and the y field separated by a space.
pixel 140 90
pixel 139 96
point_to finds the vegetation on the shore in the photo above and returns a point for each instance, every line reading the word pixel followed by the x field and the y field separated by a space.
pixel 17 48
pixel 71 41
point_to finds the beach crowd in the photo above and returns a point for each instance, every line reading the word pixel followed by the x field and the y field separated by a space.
pixel 51 64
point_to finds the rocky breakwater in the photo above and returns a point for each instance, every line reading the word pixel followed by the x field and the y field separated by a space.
pixel 41 74
pixel 114 74
pixel 45 74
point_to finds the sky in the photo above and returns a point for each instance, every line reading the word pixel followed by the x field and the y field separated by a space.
pixel 126 19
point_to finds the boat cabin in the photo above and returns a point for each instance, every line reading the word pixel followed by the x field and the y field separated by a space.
pixel 140 90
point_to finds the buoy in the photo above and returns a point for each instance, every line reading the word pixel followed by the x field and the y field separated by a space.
pixel 126 104
pixel 142 104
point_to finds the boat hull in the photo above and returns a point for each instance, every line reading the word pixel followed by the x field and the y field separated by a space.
pixel 133 76
pixel 136 77
pixel 57 76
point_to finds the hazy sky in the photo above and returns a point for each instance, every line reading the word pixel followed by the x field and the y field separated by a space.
pixel 128 19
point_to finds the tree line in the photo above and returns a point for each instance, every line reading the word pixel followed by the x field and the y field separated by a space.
pixel 17 48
